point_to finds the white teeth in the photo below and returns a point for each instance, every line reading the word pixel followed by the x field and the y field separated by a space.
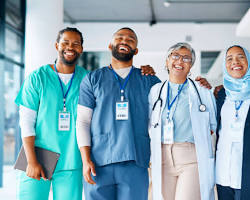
pixel 178 67
pixel 236 68
pixel 123 48
pixel 69 53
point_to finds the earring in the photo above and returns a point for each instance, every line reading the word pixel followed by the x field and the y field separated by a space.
pixel 166 68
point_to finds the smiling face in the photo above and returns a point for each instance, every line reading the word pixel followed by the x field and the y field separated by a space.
pixel 179 63
pixel 236 62
pixel 69 48
pixel 124 45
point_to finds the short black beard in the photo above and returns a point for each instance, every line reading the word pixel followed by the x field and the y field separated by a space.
pixel 71 62
pixel 123 56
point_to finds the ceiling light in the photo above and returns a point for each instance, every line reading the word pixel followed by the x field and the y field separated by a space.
pixel 166 4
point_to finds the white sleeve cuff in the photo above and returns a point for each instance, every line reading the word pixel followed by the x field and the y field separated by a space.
pixel 83 121
pixel 27 121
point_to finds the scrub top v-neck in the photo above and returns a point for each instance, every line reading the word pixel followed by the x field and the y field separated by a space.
pixel 42 92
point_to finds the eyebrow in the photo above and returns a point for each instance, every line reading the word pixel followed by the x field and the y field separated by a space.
pixel 239 54
pixel 73 41
pixel 182 55
pixel 130 36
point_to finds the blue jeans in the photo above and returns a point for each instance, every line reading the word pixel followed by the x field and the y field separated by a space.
pixel 228 193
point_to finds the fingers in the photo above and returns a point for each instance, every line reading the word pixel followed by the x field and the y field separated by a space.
pixel 144 69
pixel 33 174
pixel 89 169
pixel 43 175
pixel 35 171
pixel 198 78
pixel 147 70
pixel 203 82
pixel 217 89
pixel 93 170
pixel 88 178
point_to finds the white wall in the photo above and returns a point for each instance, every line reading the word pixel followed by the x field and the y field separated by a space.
pixel 155 40
pixel 43 21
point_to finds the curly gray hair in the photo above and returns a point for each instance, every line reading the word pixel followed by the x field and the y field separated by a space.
pixel 180 45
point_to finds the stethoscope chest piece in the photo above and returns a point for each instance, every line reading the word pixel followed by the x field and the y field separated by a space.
pixel 202 108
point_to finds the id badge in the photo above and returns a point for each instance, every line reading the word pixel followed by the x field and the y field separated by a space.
pixel 64 121
pixel 122 110
pixel 236 131
pixel 168 132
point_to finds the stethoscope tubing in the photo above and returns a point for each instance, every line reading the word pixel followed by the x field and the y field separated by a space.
pixel 199 97
pixel 202 107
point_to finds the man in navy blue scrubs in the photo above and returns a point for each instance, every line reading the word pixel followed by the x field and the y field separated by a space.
pixel 112 125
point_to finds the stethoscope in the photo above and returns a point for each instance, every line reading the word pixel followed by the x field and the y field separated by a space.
pixel 202 107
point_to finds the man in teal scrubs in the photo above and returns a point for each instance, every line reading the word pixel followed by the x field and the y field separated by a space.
pixel 46 93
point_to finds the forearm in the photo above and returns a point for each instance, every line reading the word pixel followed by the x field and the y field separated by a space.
pixel 27 121
pixel 84 116
pixel 29 148
pixel 34 169
pixel 85 153
pixel 27 125
pixel 88 165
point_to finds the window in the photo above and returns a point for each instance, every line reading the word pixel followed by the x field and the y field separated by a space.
pixel 12 20
pixel 207 60
pixel 94 60
pixel 13 45
pixel 14 14
pixel 12 81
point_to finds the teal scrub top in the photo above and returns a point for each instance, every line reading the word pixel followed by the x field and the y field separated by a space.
pixel 41 92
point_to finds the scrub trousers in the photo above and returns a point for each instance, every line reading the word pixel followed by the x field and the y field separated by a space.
pixel 180 176
pixel 228 193
pixel 118 181
pixel 66 185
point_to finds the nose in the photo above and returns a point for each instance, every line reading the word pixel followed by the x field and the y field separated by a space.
pixel 125 44
pixel 124 40
pixel 180 60
pixel 70 45
pixel 235 60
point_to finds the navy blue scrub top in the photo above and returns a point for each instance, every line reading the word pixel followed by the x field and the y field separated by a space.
pixel 118 140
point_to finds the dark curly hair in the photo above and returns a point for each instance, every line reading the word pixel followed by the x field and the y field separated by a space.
pixel 69 29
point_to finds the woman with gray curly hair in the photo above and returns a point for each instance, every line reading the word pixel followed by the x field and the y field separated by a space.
pixel 182 118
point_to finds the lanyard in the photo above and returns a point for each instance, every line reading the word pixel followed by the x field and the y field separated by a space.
pixel 237 105
pixel 64 95
pixel 122 87
pixel 171 104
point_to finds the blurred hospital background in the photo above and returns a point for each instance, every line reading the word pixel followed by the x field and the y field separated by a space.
pixel 28 30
